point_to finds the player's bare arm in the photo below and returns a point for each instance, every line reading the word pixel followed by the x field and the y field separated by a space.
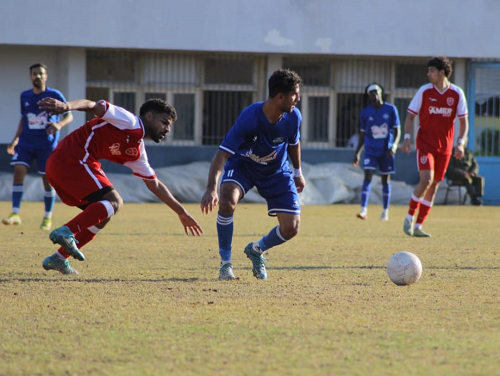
pixel 160 190
pixel 462 137
pixel 357 154
pixel 57 107
pixel 397 135
pixel 406 148
pixel 15 140
pixel 295 155
pixel 210 198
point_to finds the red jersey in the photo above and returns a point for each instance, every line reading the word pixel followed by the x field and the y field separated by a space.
pixel 437 112
pixel 117 136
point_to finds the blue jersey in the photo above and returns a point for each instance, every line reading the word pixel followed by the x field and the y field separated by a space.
pixel 260 144
pixel 378 124
pixel 35 121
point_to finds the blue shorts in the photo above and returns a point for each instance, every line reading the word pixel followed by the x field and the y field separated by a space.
pixel 385 164
pixel 278 189
pixel 25 156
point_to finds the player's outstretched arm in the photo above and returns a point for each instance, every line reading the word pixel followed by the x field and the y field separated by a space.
pixel 160 190
pixel 57 107
pixel 210 199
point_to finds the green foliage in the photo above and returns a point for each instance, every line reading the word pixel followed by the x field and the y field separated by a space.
pixel 147 301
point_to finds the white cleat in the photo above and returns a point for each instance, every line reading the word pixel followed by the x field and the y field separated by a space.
pixel 385 215
pixel 363 214
pixel 408 227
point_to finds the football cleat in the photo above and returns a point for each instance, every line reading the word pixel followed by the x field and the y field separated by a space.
pixel 419 233
pixel 408 227
pixel 363 214
pixel 12 219
pixel 385 215
pixel 226 272
pixel 65 238
pixel 55 263
pixel 258 261
pixel 46 224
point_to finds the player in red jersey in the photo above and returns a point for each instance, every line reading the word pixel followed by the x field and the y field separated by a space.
pixel 75 172
pixel 437 104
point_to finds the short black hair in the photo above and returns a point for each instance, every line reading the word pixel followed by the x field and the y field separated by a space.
pixel 158 106
pixel 38 65
pixel 283 81
pixel 441 63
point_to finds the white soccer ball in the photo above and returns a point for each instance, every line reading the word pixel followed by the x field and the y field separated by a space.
pixel 404 268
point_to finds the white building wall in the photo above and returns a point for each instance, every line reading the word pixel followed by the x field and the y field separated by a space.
pixel 460 28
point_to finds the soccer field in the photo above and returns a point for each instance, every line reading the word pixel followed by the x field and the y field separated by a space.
pixel 147 300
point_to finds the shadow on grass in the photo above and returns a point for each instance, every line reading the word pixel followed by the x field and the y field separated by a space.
pixel 97 280
pixel 382 267
pixel 195 279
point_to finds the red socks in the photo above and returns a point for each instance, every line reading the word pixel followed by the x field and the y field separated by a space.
pixel 425 208
pixel 414 204
pixel 91 216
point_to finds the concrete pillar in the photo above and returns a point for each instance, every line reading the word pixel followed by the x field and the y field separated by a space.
pixel 71 78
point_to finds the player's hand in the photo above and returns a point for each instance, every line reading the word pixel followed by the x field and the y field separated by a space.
pixel 209 201
pixel 406 148
pixel 11 147
pixel 53 105
pixel 191 227
pixel 459 151
pixel 355 161
pixel 300 183
pixel 53 128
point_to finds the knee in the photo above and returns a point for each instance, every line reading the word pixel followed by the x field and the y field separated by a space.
pixel 426 181
pixel 117 203
pixel 290 231
pixel 227 206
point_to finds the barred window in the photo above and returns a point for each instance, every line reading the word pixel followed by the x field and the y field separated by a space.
pixel 184 126
pixel 232 71
pixel 220 111
pixel 487 112
pixel 411 75
pixel 313 73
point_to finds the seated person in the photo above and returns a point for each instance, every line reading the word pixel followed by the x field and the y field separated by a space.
pixel 466 171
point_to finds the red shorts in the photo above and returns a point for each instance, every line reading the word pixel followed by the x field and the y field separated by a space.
pixel 72 179
pixel 433 161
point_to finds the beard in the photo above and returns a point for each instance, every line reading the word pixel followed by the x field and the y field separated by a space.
pixel 156 138
pixel 38 83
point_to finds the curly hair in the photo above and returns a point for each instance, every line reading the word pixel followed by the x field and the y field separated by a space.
pixel 283 81
pixel 441 63
pixel 158 106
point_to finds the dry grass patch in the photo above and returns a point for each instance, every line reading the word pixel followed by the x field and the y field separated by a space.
pixel 147 301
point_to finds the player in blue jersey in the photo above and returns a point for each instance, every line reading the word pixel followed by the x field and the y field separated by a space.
pixel 379 135
pixel 36 136
pixel 255 152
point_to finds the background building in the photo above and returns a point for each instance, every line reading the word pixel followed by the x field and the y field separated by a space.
pixel 212 58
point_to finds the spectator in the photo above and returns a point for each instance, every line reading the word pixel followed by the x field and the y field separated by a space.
pixel 466 171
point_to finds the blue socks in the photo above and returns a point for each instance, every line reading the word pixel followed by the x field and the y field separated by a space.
pixel 365 193
pixel 225 234
pixel 49 198
pixel 272 239
pixel 386 191
pixel 17 196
